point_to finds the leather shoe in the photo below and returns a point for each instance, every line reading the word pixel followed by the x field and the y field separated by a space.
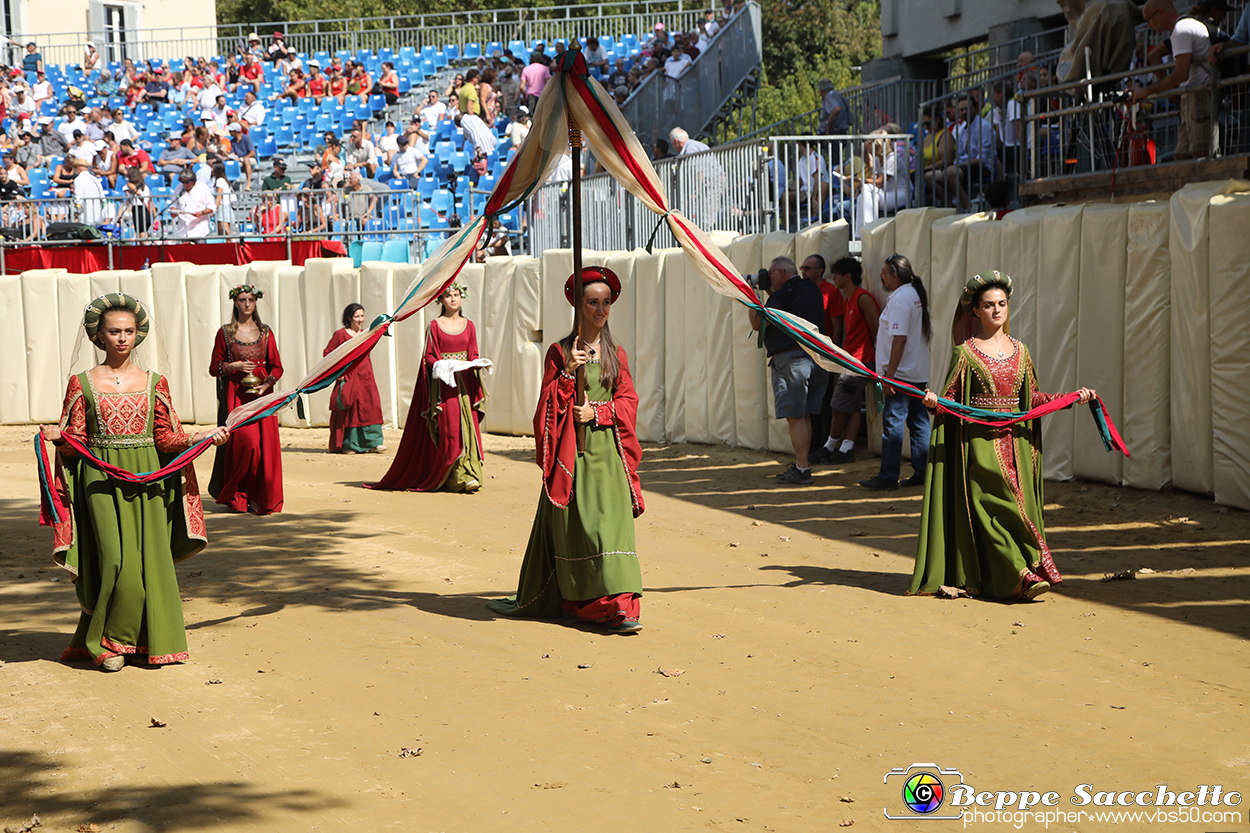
pixel 876 484
pixel 914 480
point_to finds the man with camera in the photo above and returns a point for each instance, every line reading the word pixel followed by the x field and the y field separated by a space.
pixel 798 382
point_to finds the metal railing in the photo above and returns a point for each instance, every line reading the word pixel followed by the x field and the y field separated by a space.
pixel 456 29
pixel 421 220
pixel 749 187
pixel 691 101
pixel 1041 44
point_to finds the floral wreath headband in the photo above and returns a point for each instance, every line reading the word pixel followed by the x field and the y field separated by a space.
pixel 977 283
pixel 235 292
pixel 459 287
pixel 93 315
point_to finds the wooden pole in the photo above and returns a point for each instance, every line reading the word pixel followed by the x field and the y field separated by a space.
pixel 575 143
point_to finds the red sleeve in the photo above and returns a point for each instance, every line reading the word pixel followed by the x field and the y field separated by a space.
pixel 74 415
pixel 554 433
pixel 338 338
pixel 272 359
pixel 473 349
pixel 625 406
pixel 167 431
pixel 432 350
pixel 216 365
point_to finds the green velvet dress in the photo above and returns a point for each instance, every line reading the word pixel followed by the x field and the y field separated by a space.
pixel 581 559
pixel 121 540
pixel 981 526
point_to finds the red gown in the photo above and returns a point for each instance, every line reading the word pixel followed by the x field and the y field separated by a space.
pixel 432 441
pixel 354 401
pixel 247 474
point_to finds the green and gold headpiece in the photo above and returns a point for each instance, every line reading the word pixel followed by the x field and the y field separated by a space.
pixel 93 315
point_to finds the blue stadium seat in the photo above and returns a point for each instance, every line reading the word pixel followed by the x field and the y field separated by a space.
pixel 426 187
pixel 372 250
pixel 472 50
pixel 395 251
pixel 233 170
pixel 459 161
pixel 451 52
pixel 355 250
pixel 386 54
pixel 441 201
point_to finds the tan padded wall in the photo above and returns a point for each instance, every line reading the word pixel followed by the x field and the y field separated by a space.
pixel 1189 246
pixel 1100 322
pixel 409 336
pixel 528 341
pixel 1230 349
pixel 1022 237
pixel 303 311
pixel 14 388
pixel 721 409
pixel 169 295
pixel 46 372
pixel 1147 351
pixel 699 308
pixel 377 298
pixel 877 241
pixel 1058 306
pixel 953 263
pixel 496 329
pixel 985 248
pixel 752 393
pixel 829 240
pixel 673 274
pixel 912 233
pixel 204 291
pixel 649 330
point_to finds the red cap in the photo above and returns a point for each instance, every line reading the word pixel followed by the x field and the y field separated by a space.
pixel 594 274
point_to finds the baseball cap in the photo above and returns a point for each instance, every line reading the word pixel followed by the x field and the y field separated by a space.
pixel 401 140
pixel 659 27
pixel 45 120
pixel 278 162
pixel 234 127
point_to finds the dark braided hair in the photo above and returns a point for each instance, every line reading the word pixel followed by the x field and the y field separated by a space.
pixel 901 267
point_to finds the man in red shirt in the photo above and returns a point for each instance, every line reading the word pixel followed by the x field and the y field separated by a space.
pixel 316 85
pixel 860 317
pixel 130 156
pixel 251 74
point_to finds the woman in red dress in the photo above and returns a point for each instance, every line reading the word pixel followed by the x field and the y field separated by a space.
pixel 442 443
pixel 355 406
pixel 247 474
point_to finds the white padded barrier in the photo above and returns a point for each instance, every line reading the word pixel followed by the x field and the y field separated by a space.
pixel 1100 324
pixel 304 312
pixel 496 328
pixel 1230 349
pixel 45 368
pixel 1022 236
pixel 1058 305
pixel 1189 246
pixel 1147 351
pixel 672 277
pixel 14 388
pixel 649 329
pixel 752 394
pixel 528 341
pixel 378 298
pixel 912 234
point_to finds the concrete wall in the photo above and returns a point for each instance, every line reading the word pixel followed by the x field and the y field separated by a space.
pixel 912 29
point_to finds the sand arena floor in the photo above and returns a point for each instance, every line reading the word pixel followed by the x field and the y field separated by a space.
pixel 345 673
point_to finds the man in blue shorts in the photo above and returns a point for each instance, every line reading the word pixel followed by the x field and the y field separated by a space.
pixel 798 382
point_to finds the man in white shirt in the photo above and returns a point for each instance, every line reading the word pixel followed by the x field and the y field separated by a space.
pixel 433 110
pixel 1190 44
pixel 681 143
pixel 677 63
pixel 595 55
pixel 42 89
pixel 710 25
pixel 71 124
pixel 89 194
pixel 253 111
pixel 406 164
pixel 208 97
pixel 23 106
pixel 479 134
pixel 193 207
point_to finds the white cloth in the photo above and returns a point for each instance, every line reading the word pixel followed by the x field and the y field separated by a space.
pixel 84 151
pixel 445 370
pixel 598 55
pixel 199 198
pixel 90 195
pixel 253 113
pixel 517 132
pixel 42 90
pixel 1190 37
pixel 902 316
pixel 479 134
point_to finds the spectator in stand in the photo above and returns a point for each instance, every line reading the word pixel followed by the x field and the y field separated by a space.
pixel 539 55
pixel 254 47
pixel 63 177
pixel 193 207
pixel 798 382
pixel 660 150
pixel 937 149
pixel 418 136
pixel 1008 124
pixel 244 149
pixel 389 143
pixel 975 157
pixel 295 87
pixel 15 171
pixel 32 61
pixel 88 194
pixel 618 77
pixel 81 148
pixel 510 89
pixel 109 84
pixel 406 164
pixel 121 128
pixel 156 90
pixel 278 180
pixel 175 159
pixel 835 113
pixel 25 151
pixel 680 141
pixel 683 43
pixel 253 112
pixel 520 127
pixel 22 107
pixel 52 143
pixel 596 56
pixel 657 44
pixel 361 153
pixel 11 192
pixel 533 79
pixel 251 75
pixel 678 62
pixel 278 53
pixel 107 164
pixel 131 158
pixel 488 96
pixel 860 317
pixel 362 199
pixel 219 115
pixel 479 134
pixel 42 89
pixel 388 83
pixel 138 206
pixel 620 94
pixel 336 85
pixel 223 199
pixel 477 169
pixel 270 217
pixel 72 122
pixel 1240 37
pixel 433 110
pixel 1190 49
pixel 317 85
pixel 468 95
pixel 453 89
pixel 231 73
pixel 710 25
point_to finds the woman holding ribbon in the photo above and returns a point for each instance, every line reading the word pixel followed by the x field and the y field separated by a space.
pixel 247 474
pixel 981 530
pixel 121 540
pixel 355 406
pixel 442 444
pixel 581 561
